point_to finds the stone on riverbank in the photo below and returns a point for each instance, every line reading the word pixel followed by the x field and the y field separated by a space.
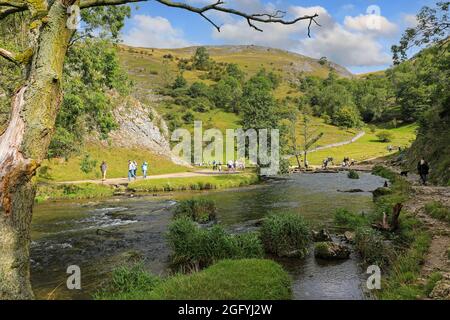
pixel 321 236
pixel 331 250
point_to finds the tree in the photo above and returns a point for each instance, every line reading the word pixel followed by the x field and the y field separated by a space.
pixel 24 141
pixel 310 137
pixel 201 61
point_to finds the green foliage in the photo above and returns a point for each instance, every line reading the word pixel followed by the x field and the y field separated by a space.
pixel 246 279
pixel 200 60
pixel 188 117
pixel 372 247
pixel 384 136
pixel 179 82
pixel 47 192
pixel 258 105
pixel 347 219
pixel 285 234
pixel 431 282
pixel 126 281
pixel 227 94
pixel 199 89
pixel 352 174
pixel 201 210
pixel 438 211
pixel 91 71
pixel 347 117
pixel 88 164
pixel 194 248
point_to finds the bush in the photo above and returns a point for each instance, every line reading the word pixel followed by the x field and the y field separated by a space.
pixel 345 218
pixel 246 279
pixel 438 211
pixel 195 248
pixel 126 281
pixel 352 174
pixel 286 234
pixel 384 136
pixel 200 210
pixel 370 244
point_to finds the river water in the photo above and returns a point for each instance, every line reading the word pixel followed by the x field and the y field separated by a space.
pixel 100 235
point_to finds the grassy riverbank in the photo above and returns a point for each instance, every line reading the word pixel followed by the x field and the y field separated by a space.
pixel 249 279
pixel 407 247
pixel 195 183
pixel 53 191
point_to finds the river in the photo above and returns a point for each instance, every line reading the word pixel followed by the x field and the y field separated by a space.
pixel 100 235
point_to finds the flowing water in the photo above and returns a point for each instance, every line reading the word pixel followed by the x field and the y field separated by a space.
pixel 100 235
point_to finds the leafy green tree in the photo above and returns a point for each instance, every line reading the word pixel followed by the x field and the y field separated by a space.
pixel 347 117
pixel 200 60
pixel 227 94
pixel 199 89
pixel 179 82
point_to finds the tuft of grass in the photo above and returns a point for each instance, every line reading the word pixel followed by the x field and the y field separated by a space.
pixel 194 248
pixel 246 279
pixel 352 174
pixel 222 181
pixel 373 248
pixel 438 211
pixel 286 234
pixel 47 192
pixel 128 282
pixel 431 282
pixel 200 210
pixel 347 219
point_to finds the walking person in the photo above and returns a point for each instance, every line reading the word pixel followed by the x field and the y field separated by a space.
pixel 103 168
pixel 144 168
pixel 423 169
pixel 135 166
pixel 130 170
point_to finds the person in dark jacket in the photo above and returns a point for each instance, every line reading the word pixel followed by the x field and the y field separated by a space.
pixel 423 168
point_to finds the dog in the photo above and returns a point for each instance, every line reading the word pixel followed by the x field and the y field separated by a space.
pixel 404 173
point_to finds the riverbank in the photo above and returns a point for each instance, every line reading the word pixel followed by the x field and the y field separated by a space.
pixel 415 256
pixel 92 189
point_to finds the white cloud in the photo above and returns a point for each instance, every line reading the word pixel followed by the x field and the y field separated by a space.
pixel 371 23
pixel 350 44
pixel 409 20
pixel 154 32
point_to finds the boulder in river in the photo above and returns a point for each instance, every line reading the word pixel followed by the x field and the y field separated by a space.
pixel 331 250
pixel 322 235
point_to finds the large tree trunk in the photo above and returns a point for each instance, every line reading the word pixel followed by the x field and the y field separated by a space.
pixel 24 145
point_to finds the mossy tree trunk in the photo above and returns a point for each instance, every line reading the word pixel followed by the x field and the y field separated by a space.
pixel 24 144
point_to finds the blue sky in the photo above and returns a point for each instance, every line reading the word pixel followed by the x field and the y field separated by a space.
pixel 355 34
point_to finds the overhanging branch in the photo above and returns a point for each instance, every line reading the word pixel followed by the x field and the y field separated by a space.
pixel 276 17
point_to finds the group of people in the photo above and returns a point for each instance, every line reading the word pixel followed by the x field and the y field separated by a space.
pixel 132 169
pixel 347 162
pixel 232 166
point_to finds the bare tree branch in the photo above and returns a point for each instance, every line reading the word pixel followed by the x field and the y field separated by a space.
pixel 276 17
pixel 8 55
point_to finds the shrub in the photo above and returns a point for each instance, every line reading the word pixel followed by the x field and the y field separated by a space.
pixel 195 248
pixel 246 279
pixel 200 210
pixel 370 244
pixel 286 234
pixel 384 136
pixel 438 211
pixel 345 218
pixel 126 281
pixel 352 174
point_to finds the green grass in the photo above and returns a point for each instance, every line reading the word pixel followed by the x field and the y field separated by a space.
pixel 367 147
pixel 116 159
pixel 438 211
pixel 222 181
pixel 412 242
pixel 47 191
pixel 286 234
pixel 194 248
pixel 346 219
pixel 247 279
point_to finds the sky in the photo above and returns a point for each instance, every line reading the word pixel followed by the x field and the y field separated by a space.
pixel 356 34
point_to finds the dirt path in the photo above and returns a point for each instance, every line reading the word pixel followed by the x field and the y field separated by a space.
pixel 124 181
pixel 437 259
